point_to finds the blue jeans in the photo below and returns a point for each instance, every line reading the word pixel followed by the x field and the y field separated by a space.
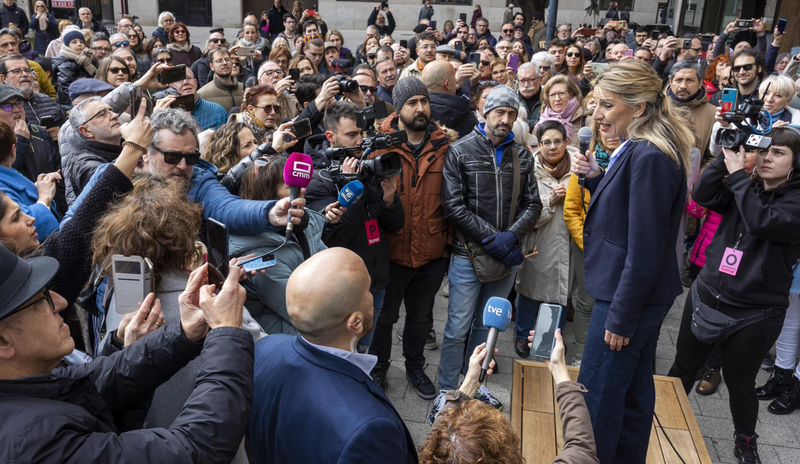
pixel 622 396
pixel 468 297
pixel 528 311
pixel 377 305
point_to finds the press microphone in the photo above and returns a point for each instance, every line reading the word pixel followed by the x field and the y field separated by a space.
pixel 585 136
pixel 496 316
pixel 296 175
pixel 351 193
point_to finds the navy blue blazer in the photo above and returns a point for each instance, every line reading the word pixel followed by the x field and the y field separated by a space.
pixel 310 406
pixel 630 232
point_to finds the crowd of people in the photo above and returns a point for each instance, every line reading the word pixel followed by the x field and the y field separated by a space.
pixel 594 172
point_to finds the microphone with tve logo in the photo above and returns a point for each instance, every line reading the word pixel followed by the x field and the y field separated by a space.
pixel 496 316
pixel 585 136
pixel 296 175
pixel 351 193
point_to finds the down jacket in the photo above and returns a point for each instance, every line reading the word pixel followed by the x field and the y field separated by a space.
pixel 706 234
pixel 94 412
pixel 546 276
pixel 67 72
pixel 476 192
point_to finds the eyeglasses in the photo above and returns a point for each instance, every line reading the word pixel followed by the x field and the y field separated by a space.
pixel 103 113
pixel 9 107
pixel 698 49
pixel 505 31
pixel 426 46
pixel 485 63
pixel 174 157
pixel 270 108
pixel 17 72
pixel 45 297
pixel 271 72
pixel 165 21
pixel 367 88
pixel 101 49
pixel 557 94
pixel 529 81
pixel 218 41
pixel 556 143
pixel 118 70
pixel 180 32
pixel 122 44
pixel 222 60
pixel 573 55
pixel 745 67
pixel 544 68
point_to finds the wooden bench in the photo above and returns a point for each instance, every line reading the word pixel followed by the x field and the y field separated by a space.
pixel 535 418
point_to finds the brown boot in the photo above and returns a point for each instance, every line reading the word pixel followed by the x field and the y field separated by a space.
pixel 710 382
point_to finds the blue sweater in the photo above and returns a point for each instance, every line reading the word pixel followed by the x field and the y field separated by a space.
pixel 24 193
pixel 209 115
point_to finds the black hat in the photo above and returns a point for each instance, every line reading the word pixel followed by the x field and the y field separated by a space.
pixel 216 29
pixel 421 28
pixel 538 15
pixel 21 279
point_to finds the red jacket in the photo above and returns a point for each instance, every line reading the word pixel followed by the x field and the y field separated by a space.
pixel 706 234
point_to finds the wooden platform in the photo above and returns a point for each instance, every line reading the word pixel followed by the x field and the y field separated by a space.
pixel 534 416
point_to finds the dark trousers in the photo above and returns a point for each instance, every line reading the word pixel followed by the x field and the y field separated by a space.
pixel 742 354
pixel 417 288
pixel 622 395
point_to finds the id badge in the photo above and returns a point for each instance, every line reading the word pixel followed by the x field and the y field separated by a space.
pixel 373 233
pixel 730 261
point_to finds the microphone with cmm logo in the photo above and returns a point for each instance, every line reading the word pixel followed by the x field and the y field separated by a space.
pixel 296 175
pixel 496 316
pixel 351 193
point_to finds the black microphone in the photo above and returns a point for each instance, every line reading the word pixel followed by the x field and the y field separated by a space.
pixel 585 136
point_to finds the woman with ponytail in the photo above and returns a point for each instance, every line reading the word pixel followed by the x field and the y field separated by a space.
pixel 629 240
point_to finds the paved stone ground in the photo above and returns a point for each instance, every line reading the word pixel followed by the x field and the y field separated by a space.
pixel 779 441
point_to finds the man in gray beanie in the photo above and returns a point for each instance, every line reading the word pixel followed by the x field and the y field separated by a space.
pixel 489 196
pixel 417 261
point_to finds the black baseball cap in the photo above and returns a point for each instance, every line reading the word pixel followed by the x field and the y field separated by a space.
pixel 22 279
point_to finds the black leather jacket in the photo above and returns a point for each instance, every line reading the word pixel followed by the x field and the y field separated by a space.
pixel 476 193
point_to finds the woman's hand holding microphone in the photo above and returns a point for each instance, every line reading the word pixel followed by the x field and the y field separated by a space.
pixel 584 164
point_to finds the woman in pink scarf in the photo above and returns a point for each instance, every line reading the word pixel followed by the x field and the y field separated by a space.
pixel 561 101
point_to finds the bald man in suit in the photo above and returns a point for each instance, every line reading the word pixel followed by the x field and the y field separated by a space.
pixel 314 400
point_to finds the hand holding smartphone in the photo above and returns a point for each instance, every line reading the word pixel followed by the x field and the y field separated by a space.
pixel 544 339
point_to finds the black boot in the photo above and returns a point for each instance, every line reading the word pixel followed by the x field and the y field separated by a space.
pixel 745 448
pixel 777 383
pixel 789 399
pixel 378 375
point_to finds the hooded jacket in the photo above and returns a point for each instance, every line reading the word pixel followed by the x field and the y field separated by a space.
pixel 476 192
pixel 452 112
pixel 94 412
pixel 766 225
pixel 423 237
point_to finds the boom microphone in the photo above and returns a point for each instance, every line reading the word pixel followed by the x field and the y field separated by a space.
pixel 296 175
pixel 351 193
pixel 496 316
pixel 585 136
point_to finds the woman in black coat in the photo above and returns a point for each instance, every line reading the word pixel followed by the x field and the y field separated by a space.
pixel 631 269
pixel 748 271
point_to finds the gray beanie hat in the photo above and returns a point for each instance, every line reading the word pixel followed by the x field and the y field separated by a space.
pixel 406 88
pixel 499 96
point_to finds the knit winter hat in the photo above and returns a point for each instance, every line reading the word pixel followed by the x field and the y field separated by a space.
pixel 499 96
pixel 72 35
pixel 406 88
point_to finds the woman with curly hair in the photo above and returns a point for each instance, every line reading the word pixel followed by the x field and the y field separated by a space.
pixel 720 65
pixel 229 144
pixel 156 221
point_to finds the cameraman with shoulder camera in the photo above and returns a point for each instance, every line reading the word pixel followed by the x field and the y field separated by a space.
pixel 417 253
pixel 366 224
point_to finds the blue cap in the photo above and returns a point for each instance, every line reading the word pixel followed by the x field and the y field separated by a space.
pixel 84 86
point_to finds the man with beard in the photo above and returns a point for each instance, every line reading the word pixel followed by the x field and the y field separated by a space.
pixel 446 108
pixel 417 252
pixel 10 46
pixel 387 78
pixel 224 88
pixel 481 205
pixel 746 73
pixel 101 47
pixel 530 85
pixel 686 89
pixel 314 381
pixel 426 52
pixel 15 71
pixel 209 115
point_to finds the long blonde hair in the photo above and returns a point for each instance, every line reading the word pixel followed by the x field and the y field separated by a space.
pixel 663 123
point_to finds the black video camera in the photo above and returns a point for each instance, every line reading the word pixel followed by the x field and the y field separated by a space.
pixel 747 117
pixel 372 170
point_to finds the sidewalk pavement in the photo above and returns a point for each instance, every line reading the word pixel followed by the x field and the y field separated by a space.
pixel 779 441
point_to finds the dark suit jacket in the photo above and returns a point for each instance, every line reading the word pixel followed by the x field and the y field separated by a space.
pixel 630 233
pixel 311 406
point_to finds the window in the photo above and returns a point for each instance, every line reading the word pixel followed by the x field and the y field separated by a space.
pixel 621 4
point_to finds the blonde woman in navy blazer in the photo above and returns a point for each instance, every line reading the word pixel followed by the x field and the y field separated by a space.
pixel 629 243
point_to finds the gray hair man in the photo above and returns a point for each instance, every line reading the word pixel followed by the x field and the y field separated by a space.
pixel 86 21
pixel 530 86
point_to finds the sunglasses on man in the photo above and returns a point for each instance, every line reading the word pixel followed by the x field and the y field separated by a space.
pixel 174 157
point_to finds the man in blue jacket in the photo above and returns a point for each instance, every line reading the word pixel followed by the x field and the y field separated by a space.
pixel 316 384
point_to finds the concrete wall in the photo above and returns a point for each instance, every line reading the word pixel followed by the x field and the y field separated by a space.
pixel 225 13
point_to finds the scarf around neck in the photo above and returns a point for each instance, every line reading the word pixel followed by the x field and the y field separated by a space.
pixel 42 17
pixel 678 99
pixel 84 59
pixel 177 48
pixel 259 44
pixel 564 117
pixel 559 170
